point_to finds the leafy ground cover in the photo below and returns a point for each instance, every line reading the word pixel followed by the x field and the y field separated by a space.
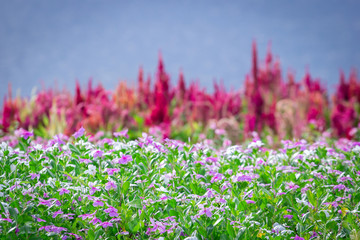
pixel 116 188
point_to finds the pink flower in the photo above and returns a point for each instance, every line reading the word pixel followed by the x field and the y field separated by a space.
pixel 249 201
pixel 288 216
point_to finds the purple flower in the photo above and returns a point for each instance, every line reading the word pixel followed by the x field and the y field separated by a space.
pixel 291 186
pixel 40 220
pixel 23 133
pixel 164 197
pixel 124 159
pixel 93 189
pixel 111 171
pixel 297 238
pixel 98 203
pixel 86 216
pixel 343 179
pixel 63 190
pixel 112 212
pixel 110 185
pixel 98 153
pixel 208 212
pixel 249 201
pixel 55 214
pixel 95 221
pixel 85 160
pixel 106 224
pixel 79 133
pixel 34 175
pixel 48 202
pixel 339 187
pixel 6 219
pixel 52 228
pixel 58 139
pixel 123 133
pixel 217 177
pixel 211 159
pixel 288 216
pixel 243 178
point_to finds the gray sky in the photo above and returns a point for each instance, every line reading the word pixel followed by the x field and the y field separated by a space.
pixel 47 41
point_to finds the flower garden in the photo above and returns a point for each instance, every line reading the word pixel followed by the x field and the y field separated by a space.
pixel 278 160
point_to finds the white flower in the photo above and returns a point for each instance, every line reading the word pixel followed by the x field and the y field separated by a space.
pixel 356 149
pixel 256 144
pixel 91 170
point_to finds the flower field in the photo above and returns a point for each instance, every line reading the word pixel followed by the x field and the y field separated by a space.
pixel 163 161
pixel 269 103
pixel 148 188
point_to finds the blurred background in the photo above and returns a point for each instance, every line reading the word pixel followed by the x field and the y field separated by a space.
pixel 47 42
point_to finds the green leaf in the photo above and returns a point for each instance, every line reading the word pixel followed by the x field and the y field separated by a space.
pixel 90 234
pixel 13 213
pixel 125 187
pixel 135 203
pixel 98 233
pixel 230 230
pixel 311 198
pixel 74 149
pixel 218 221
pixel 134 226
